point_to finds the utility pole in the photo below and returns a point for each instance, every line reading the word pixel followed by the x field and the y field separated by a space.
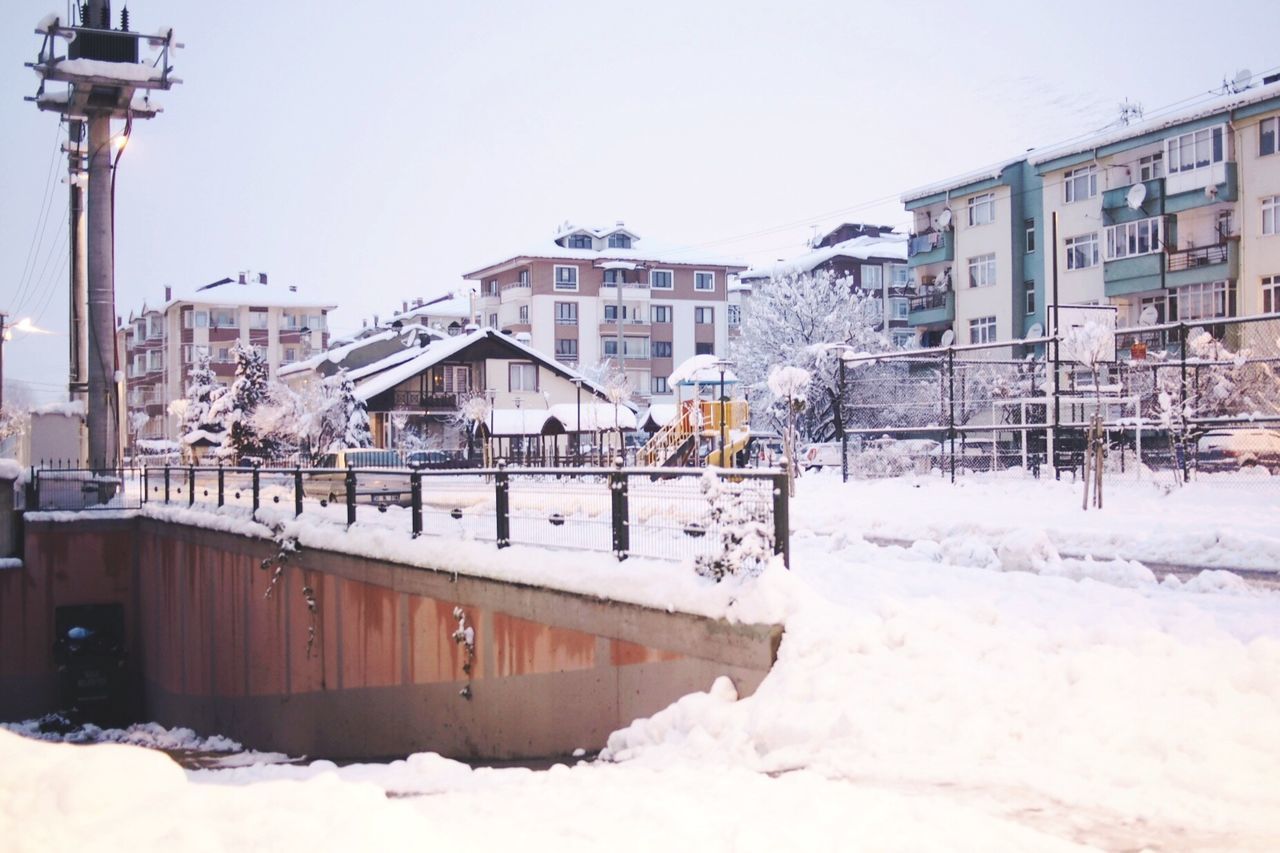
pixel 3 317
pixel 78 353
pixel 102 73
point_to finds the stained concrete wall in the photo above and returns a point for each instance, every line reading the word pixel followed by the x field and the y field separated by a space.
pixel 374 672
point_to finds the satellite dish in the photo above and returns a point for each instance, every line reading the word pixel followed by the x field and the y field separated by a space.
pixel 948 337
pixel 1148 316
pixel 1242 80
pixel 944 218
pixel 1211 191
pixel 1036 331
pixel 1136 196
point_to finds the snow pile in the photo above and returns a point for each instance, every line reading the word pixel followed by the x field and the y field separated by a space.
pixel 74 408
pixel 150 735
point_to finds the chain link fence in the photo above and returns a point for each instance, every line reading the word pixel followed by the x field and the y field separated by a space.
pixel 1193 399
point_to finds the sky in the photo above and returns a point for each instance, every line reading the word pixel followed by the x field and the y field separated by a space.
pixel 373 152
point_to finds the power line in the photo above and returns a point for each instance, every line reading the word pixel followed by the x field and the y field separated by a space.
pixel 42 219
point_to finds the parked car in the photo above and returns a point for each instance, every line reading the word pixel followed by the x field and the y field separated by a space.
pixel 434 459
pixel 893 457
pixel 378 486
pixel 1233 449
pixel 814 457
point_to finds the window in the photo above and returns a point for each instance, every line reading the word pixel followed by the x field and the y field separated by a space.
pixel 982 330
pixel 1029 238
pixel 1206 300
pixel 566 313
pixel 902 338
pixel 982 209
pixel 704 316
pixel 493 321
pixel 1194 150
pixel 898 308
pixel 139 364
pixel 524 313
pixel 662 349
pixel 704 281
pixel 155 360
pixel 735 315
pixel 982 271
pixel 611 313
pixel 155 326
pixel 224 355
pixel 704 349
pixel 195 320
pixel 1271 294
pixel 1271 215
pixel 1151 167
pixel 609 346
pixel 658 385
pixel 140 330
pixel 290 355
pixel 257 319
pixel 619 241
pixel 492 287
pixel 223 318
pixel 292 321
pixel 1141 237
pixel 1082 251
pixel 1081 183
pixel 1268 136
pixel 579 241
pixel 613 276
pixel 316 322
pixel 566 278
pixel 567 348
pixel 1029 296
pixel 635 347
pixel 660 279
pixel 872 277
pixel 659 313
pixel 900 275
pixel 522 376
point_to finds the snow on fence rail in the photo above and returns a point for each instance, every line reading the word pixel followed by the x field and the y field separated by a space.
pixel 663 513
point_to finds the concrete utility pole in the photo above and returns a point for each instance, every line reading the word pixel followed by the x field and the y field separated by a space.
pixel 102 73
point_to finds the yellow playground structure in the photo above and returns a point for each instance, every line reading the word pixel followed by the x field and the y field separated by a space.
pixel 700 427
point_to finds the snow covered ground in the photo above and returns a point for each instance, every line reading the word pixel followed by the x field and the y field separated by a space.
pixel 976 690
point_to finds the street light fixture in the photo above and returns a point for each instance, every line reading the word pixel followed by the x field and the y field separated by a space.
pixel 577 434
pixel 723 365
pixel 491 395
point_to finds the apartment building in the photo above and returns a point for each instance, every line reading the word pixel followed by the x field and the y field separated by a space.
pixel 161 342
pixel 871 258
pixel 1168 218
pixel 595 295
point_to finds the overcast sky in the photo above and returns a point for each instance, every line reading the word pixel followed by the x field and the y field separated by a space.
pixel 370 152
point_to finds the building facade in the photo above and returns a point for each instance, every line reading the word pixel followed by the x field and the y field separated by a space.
pixel 161 343
pixel 592 296
pixel 1168 219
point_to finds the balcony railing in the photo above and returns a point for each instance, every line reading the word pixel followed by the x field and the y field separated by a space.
pixel 1204 256
pixel 924 242
pixel 926 303
pixel 426 400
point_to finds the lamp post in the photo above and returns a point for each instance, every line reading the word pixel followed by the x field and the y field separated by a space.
pixel 723 365
pixel 491 395
pixel 524 449
pixel 577 434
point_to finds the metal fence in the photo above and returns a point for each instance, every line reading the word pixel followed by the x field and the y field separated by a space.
pixel 1194 398
pixel 664 513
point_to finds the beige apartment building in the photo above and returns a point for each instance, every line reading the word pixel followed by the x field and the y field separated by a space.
pixel 590 296
pixel 160 343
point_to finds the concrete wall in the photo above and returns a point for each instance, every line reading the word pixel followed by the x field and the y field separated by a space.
pixel 552 671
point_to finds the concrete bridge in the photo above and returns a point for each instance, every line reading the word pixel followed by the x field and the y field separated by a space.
pixel 351 657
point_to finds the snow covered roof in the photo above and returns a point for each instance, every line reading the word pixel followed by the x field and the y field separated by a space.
pixel 699 370
pixel 230 291
pixel 660 414
pixel 456 304
pixel 985 173
pixel 335 355
pixel 383 376
pixel 890 247
pixel 595 416
pixel 651 252
pixel 1207 105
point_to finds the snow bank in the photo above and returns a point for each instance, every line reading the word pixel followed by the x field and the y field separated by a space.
pixel 74 408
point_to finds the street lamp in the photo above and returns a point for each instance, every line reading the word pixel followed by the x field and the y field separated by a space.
pixel 524 449
pixel 577 435
pixel 723 365
pixel 491 395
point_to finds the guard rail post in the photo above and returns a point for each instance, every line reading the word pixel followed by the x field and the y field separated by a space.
pixel 350 482
pixel 502 505
pixel 619 502
pixel 415 502
pixel 782 516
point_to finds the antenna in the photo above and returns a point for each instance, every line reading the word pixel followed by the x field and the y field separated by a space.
pixel 1136 196
pixel 944 218
pixel 948 337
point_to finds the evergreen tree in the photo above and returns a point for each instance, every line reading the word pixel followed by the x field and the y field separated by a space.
pixel 350 411
pixel 202 390
pixel 235 409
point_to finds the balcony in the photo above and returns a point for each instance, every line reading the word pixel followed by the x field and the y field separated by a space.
pixel 1115 203
pixel 930 247
pixel 932 309
pixel 516 290
pixel 630 290
pixel 1200 187
pixel 1206 263
pixel 430 401
pixel 1137 274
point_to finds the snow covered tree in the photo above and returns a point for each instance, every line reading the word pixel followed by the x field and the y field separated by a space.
pixel 790 386
pixel 351 412
pixel 196 409
pixel 806 321
pixel 234 410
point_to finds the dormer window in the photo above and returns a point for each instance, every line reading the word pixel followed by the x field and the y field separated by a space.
pixel 579 241
pixel 619 241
